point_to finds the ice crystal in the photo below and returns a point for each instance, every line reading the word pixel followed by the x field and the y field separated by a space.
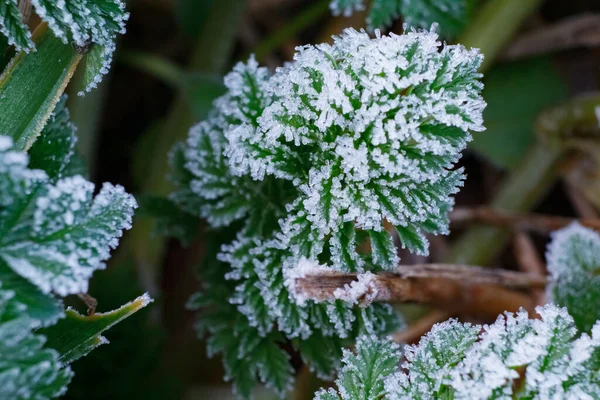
pixel 307 164
pixel 544 356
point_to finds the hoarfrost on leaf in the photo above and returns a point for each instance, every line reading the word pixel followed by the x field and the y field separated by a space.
pixel 308 166
pixel 455 360
pixel 573 258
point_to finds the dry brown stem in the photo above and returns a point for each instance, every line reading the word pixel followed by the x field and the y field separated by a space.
pixel 578 31
pixel 530 262
pixel 420 327
pixel 445 286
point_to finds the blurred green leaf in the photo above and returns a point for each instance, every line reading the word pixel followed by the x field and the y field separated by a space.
pixel 201 90
pixel 169 219
pixel 76 335
pixel 191 14
pixel 32 85
pixel 516 93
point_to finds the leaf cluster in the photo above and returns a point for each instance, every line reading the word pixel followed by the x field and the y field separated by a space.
pixel 308 164
pixel 53 235
pixel 516 357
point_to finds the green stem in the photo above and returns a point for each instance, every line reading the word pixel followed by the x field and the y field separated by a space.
pixel 299 23
pixel 161 68
pixel 494 25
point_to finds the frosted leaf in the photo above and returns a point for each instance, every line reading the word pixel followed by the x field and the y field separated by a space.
pixel 516 357
pixel 57 235
pixel 573 259
pixel 83 21
pixel 409 104
pixel 363 372
pixel 315 161
pixel 451 15
pixel 27 370
pixel 12 26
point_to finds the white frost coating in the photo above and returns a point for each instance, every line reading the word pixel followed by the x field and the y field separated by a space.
pixel 303 268
pixel 361 291
pixel 381 121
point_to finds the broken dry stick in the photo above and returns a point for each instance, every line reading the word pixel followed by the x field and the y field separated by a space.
pixel 445 286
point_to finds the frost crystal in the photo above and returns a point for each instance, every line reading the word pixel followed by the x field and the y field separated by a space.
pixel 516 357
pixel 308 164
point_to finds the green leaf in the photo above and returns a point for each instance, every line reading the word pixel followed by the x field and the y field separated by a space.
pixel 343 249
pixel 452 16
pixel 76 335
pixel 573 259
pixel 31 87
pixel 170 220
pixel 383 13
pixel 27 369
pixel 41 308
pixel 53 151
pixel 413 240
pixel 12 26
pixel 191 14
pixel 383 249
pixel 531 86
pixel 363 373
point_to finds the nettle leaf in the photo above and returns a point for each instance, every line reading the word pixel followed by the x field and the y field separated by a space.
pixel 383 249
pixel 573 259
pixel 76 335
pixel 42 309
pixel 516 357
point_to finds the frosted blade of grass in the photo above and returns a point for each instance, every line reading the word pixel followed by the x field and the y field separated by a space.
pixel 32 85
